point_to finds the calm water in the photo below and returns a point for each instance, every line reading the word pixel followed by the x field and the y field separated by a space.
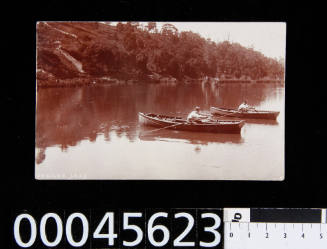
pixel 93 133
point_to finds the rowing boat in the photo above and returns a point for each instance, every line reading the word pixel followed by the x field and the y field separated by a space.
pixel 244 114
pixel 178 123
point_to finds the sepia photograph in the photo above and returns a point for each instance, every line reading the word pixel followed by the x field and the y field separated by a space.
pixel 160 100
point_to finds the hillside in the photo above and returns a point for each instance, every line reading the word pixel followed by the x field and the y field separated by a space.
pixel 70 52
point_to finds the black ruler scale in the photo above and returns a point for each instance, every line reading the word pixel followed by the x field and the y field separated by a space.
pixel 229 228
pixel 275 228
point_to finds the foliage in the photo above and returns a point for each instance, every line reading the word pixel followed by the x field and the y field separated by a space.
pixel 143 50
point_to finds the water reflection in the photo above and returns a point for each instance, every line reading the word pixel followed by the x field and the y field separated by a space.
pixel 67 116
pixel 202 138
pixel 107 115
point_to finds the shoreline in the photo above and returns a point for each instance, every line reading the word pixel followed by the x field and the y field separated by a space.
pixel 94 81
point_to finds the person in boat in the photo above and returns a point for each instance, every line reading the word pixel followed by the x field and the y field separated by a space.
pixel 196 116
pixel 244 107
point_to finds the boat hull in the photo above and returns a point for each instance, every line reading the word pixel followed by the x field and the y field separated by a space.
pixel 176 123
pixel 272 115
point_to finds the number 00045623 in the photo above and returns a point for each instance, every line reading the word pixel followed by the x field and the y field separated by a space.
pixel 154 229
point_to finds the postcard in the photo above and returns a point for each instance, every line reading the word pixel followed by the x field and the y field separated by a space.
pixel 160 100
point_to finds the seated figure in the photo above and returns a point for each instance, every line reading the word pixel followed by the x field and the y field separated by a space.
pixel 244 107
pixel 195 115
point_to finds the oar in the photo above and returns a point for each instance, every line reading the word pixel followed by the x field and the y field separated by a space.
pixel 211 115
pixel 252 108
pixel 226 115
pixel 170 126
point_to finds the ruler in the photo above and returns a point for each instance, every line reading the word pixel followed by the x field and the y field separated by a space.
pixel 246 228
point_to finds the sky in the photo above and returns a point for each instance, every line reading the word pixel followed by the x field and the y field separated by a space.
pixel 268 38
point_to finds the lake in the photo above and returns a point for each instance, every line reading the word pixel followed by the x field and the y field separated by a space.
pixel 94 133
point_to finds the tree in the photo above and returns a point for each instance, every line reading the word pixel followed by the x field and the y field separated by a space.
pixel 169 29
pixel 119 50
pixel 152 26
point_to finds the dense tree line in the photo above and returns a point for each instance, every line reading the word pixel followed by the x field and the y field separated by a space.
pixel 136 50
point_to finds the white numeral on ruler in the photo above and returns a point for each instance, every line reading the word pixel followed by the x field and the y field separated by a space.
pixel 275 235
